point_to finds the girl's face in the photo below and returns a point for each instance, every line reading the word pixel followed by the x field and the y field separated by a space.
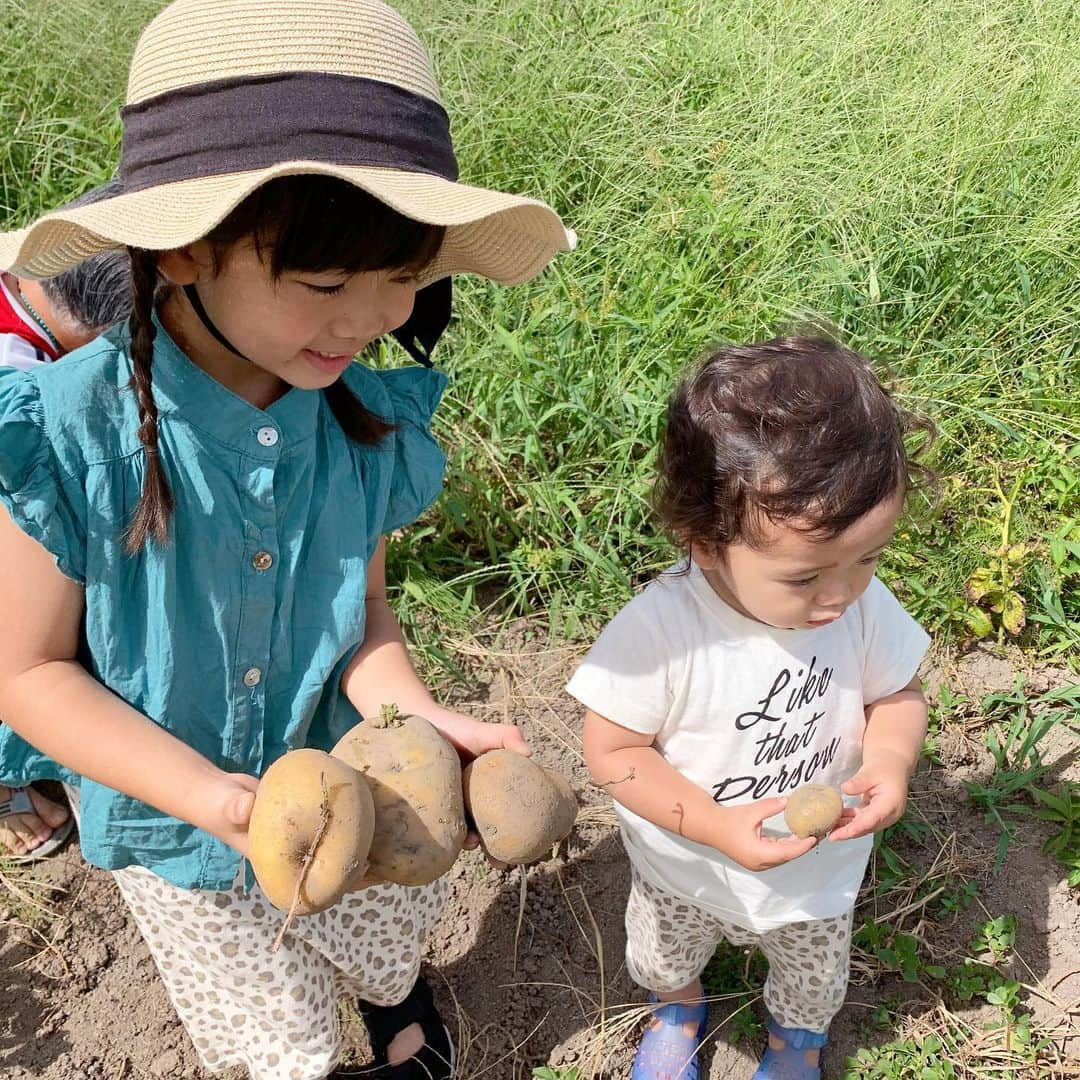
pixel 301 330
pixel 794 580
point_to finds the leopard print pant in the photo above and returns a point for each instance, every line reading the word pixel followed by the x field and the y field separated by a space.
pixel 669 940
pixel 276 1013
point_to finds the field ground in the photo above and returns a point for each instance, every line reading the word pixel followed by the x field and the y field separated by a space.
pixel 904 171
pixel 544 984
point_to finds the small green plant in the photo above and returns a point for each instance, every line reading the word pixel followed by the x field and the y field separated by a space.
pixel 993 589
pixel 1064 544
pixel 28 900
pixel 947 704
pixel 547 1072
pixel 996 937
pixel 1006 995
pixel 1062 634
pixel 1062 808
pixel 942 1046
pixel 970 980
pixel 955 901
pixel 1058 598
pixel 891 870
pixel 896 952
pixel 737 975
pixel 1015 731
pixel 925 1058
pixel 890 867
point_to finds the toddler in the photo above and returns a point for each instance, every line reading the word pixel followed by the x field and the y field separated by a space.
pixel 769 658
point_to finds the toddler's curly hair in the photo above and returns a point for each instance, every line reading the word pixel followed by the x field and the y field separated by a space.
pixel 797 430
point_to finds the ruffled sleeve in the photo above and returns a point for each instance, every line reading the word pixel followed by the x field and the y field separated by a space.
pixel 419 462
pixel 43 497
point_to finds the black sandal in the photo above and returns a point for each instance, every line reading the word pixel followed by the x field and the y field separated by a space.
pixel 433 1061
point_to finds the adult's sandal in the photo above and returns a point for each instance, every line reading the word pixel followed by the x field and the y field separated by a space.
pixel 18 802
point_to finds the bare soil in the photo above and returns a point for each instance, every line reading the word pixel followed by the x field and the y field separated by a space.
pixel 528 966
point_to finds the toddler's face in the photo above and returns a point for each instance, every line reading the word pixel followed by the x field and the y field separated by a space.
pixel 306 327
pixel 795 581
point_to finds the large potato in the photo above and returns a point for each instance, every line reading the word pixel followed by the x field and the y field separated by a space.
pixel 813 810
pixel 415 779
pixel 294 796
pixel 520 809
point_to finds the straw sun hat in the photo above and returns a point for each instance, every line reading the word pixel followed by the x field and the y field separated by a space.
pixel 225 95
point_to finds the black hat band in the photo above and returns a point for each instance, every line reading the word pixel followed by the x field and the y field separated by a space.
pixel 244 124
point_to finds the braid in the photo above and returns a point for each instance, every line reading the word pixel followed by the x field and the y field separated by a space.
pixel 155 505
pixel 360 424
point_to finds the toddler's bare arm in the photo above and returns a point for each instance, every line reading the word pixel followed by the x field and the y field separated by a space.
pixel 896 726
pixel 627 764
pixel 895 729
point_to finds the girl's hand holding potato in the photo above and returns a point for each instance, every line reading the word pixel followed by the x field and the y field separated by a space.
pixel 222 807
pixel 472 737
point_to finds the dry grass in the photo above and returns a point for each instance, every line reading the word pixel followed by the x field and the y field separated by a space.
pixel 31 917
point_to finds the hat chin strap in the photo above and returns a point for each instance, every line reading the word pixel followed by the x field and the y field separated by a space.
pixel 418 335
pixel 193 298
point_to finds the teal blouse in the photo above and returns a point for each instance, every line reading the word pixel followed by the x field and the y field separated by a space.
pixel 235 635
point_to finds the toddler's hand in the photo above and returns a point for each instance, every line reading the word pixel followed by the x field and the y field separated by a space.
pixel 224 808
pixel 741 839
pixel 883 785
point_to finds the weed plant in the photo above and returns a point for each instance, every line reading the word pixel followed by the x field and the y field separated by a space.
pixel 903 171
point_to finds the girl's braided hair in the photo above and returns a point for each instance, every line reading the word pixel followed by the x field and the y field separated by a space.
pixel 796 430
pixel 297 223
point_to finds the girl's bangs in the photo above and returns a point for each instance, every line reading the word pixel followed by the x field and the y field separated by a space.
pixel 320 224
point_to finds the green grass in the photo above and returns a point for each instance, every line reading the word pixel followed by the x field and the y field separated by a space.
pixel 905 171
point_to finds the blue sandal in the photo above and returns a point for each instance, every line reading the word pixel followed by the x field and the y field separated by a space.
pixel 790 1063
pixel 666 1052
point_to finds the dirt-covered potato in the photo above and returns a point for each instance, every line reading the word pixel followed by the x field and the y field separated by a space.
pixel 520 809
pixel 300 793
pixel 415 779
pixel 813 810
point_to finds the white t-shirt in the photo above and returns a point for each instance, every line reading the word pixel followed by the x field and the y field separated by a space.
pixel 748 712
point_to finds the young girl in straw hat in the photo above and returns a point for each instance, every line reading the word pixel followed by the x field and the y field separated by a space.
pixel 196 503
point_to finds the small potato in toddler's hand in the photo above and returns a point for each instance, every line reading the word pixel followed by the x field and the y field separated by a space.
pixel 813 810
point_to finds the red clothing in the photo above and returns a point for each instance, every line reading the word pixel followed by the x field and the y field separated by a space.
pixel 17 323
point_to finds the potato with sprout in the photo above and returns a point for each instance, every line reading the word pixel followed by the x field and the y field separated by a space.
pixel 415 779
